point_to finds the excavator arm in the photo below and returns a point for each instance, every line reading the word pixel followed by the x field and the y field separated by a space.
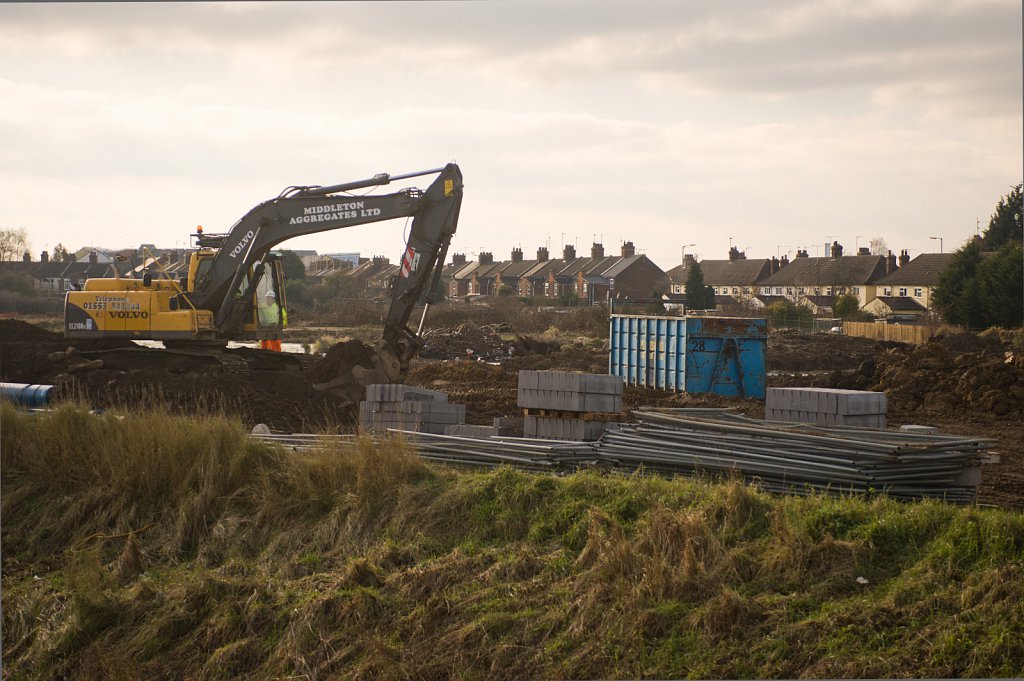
pixel 301 211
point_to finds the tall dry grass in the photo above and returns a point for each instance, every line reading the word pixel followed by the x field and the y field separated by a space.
pixel 152 546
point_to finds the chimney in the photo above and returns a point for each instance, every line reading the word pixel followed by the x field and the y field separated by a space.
pixel 735 254
pixel 864 250
pixel 542 254
pixel 597 251
pixel 27 257
pixel 458 258
pixel 837 249
pixel 44 257
pixel 94 257
pixel 802 254
pixel 890 263
pixel 380 260
pixel 783 261
pixel 689 258
pixel 569 252
pixel 517 255
pixel 904 258
pixel 486 258
pixel 774 267
pixel 628 249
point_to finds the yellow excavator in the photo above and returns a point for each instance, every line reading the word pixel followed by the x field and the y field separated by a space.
pixel 230 274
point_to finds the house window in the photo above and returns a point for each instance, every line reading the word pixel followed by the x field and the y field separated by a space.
pixel 886 291
pixel 918 293
pixel 778 290
pixel 817 290
pixel 767 290
pixel 746 290
pixel 800 291
pixel 789 290
pixel 716 290
pixel 856 290
pixel 735 290
pixel 828 291
pixel 903 292
pixel 584 287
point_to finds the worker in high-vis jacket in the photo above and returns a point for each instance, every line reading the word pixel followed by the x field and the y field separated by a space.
pixel 272 314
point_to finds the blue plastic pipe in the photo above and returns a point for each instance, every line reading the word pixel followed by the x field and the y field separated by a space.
pixel 25 394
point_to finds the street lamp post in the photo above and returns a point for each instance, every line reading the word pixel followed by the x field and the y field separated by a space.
pixel 940 241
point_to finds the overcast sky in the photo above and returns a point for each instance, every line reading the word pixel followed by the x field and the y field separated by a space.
pixel 770 126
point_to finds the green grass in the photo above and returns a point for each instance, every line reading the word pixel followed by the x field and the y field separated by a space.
pixel 154 546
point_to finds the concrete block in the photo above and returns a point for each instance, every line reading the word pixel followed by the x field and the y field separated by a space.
pixel 528 379
pixel 863 420
pixel 858 402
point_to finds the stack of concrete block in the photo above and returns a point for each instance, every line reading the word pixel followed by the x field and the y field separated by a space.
pixel 407 408
pixel 826 406
pixel 567 405
pixel 565 428
pixel 568 391
pixel 500 427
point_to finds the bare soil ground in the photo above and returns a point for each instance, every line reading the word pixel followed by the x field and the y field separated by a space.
pixel 961 384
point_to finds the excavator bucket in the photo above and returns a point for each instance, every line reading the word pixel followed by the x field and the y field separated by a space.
pixel 350 366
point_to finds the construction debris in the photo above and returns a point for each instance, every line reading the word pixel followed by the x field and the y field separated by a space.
pixel 491 343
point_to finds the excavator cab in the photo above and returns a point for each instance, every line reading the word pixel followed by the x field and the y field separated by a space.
pixel 270 306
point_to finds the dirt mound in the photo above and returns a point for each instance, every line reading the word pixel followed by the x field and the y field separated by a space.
pixel 486 390
pixel 575 357
pixel 795 351
pixel 17 331
pixel 487 342
pixel 934 379
pixel 341 358
pixel 119 374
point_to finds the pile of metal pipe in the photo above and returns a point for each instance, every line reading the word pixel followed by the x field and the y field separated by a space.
pixel 800 458
pixel 775 456
pixel 526 453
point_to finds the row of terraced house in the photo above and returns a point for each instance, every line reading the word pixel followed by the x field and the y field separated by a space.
pixel 888 286
pixel 596 278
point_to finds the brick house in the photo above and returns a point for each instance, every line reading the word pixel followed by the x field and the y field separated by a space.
pixel 915 279
pixel 856 275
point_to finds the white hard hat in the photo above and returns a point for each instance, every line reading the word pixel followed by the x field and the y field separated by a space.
pixel 271 294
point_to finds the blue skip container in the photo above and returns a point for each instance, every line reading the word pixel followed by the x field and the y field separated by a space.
pixel 721 355
pixel 25 394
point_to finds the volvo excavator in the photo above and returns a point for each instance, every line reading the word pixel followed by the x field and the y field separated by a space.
pixel 229 275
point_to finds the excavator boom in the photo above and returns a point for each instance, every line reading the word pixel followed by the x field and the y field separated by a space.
pixel 219 299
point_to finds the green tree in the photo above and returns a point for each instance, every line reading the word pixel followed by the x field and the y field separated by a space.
pixel 61 254
pixel 698 295
pixel 956 297
pixel 787 313
pixel 1006 223
pixel 293 267
pixel 846 307
pixel 1000 286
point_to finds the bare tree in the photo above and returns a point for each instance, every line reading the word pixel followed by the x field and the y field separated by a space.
pixel 878 246
pixel 13 244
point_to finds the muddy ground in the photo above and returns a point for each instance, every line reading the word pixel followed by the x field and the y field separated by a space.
pixel 961 384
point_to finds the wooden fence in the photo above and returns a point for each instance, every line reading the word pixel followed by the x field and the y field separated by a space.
pixel 889 332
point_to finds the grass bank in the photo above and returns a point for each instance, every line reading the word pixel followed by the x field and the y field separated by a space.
pixel 153 546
